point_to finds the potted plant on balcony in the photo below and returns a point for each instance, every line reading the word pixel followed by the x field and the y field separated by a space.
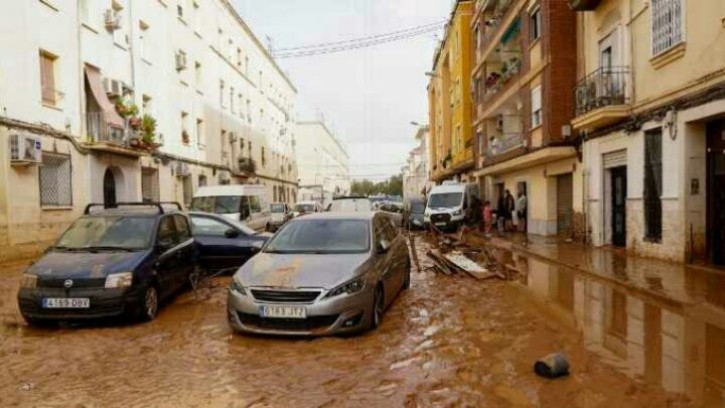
pixel 148 132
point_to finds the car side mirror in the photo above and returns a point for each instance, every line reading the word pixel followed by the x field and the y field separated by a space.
pixel 383 246
pixel 231 233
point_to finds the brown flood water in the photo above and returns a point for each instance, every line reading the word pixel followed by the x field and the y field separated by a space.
pixel 446 342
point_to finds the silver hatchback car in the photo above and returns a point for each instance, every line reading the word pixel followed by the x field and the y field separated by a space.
pixel 322 274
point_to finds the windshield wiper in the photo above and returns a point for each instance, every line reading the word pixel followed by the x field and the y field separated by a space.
pixel 68 249
pixel 109 248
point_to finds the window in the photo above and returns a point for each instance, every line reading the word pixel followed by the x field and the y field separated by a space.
pixel 198 77
pixel 144 43
pixel 221 93
pixel 208 226
pixel 477 38
pixel 535 23
pixel 536 107
pixel 241 105
pixel 249 112
pixel 47 78
pixel 231 99
pixel 239 57
pixel 183 233
pixel 202 180
pixel 220 38
pixel 200 136
pixel 254 204
pixel 56 181
pixel 264 160
pixel 166 236
pixel 149 185
pixel 119 34
pixel 187 189
pixel 146 104
pixel 180 10
pixel 667 24
pixel 653 185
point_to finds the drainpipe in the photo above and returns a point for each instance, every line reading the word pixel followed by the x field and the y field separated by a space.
pixel 81 70
pixel 132 49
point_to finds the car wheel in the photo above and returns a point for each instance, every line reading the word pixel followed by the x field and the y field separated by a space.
pixel 378 308
pixel 406 281
pixel 149 306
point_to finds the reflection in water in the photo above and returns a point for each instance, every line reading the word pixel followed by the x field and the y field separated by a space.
pixel 676 342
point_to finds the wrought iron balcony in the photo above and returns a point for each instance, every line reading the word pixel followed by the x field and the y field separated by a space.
pixel 246 165
pixel 583 5
pixel 602 88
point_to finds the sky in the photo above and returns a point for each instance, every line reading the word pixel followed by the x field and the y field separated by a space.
pixel 368 96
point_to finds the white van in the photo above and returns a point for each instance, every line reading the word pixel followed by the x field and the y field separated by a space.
pixel 448 203
pixel 244 202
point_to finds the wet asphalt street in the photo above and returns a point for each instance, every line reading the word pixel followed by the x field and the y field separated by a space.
pixel 447 341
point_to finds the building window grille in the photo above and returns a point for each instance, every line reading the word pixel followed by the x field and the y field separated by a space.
pixel 149 185
pixel 667 24
pixel 653 185
pixel 56 186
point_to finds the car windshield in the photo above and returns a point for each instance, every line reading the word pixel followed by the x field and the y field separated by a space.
pixel 226 204
pixel 445 200
pixel 327 236
pixel 304 208
pixel 417 207
pixel 276 208
pixel 351 205
pixel 122 232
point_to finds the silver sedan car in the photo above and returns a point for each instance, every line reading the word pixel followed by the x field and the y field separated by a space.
pixel 322 274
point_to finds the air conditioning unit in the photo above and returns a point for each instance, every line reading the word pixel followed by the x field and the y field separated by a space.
pixel 112 19
pixel 182 169
pixel 180 61
pixel 113 87
pixel 25 150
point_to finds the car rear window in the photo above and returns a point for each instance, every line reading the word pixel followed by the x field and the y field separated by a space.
pixel 322 236
pixel 351 205
pixel 277 208
pixel 131 232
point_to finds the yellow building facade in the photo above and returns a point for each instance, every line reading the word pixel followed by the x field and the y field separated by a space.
pixel 450 105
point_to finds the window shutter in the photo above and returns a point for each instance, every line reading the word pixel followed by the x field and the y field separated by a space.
pixel 47 81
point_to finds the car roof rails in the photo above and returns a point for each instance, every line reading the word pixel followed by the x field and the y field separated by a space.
pixel 158 204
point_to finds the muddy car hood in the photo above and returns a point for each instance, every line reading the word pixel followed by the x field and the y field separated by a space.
pixel 301 270
pixel 86 264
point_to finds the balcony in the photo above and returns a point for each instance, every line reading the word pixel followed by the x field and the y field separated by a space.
pixel 495 11
pixel 128 140
pixel 602 98
pixel 499 74
pixel 583 5
pixel 245 167
pixel 504 143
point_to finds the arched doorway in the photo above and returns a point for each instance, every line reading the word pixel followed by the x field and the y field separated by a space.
pixel 109 189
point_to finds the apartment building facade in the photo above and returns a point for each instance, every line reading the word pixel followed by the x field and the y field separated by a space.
pixel 449 104
pixel 650 102
pixel 323 162
pixel 523 72
pixel 129 100
pixel 415 173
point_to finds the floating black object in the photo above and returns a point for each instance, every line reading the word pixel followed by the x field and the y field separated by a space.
pixel 552 366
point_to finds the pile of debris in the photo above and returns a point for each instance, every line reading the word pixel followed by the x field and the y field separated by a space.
pixel 456 263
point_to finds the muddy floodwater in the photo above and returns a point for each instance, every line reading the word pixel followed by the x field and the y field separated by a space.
pixel 447 341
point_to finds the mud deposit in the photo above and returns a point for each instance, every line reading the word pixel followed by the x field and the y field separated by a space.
pixel 445 342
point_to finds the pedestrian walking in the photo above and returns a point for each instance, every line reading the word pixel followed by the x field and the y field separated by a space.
pixel 501 214
pixel 521 203
pixel 509 208
pixel 487 217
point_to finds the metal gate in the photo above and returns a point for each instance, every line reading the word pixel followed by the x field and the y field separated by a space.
pixel 564 203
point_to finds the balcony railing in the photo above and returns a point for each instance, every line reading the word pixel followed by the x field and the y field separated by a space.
pixel 504 143
pixel 603 87
pixel 498 14
pixel 496 80
pixel 99 130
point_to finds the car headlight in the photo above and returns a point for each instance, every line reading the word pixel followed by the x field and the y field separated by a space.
pixel 457 212
pixel 237 287
pixel 119 280
pixel 353 286
pixel 29 281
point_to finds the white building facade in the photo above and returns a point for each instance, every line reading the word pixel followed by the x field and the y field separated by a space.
pixel 323 162
pixel 129 100
pixel 415 174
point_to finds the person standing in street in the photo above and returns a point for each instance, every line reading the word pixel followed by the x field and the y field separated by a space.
pixel 509 207
pixel 487 217
pixel 521 211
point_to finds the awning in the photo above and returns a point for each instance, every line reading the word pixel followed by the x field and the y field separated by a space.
pixel 511 31
pixel 99 94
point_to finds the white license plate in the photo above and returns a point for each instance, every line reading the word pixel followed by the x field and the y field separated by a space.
pixel 440 224
pixel 66 303
pixel 286 312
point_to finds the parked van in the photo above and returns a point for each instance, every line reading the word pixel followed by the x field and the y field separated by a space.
pixel 448 203
pixel 244 202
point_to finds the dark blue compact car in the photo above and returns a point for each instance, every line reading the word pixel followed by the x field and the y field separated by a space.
pixel 111 262
pixel 224 244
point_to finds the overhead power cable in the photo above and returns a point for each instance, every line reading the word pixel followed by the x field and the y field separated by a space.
pixel 357 45
pixel 360 39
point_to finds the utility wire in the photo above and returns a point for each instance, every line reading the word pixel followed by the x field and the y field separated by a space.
pixel 335 49
pixel 359 39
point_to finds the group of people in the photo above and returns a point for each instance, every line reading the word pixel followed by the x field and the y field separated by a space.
pixel 510 213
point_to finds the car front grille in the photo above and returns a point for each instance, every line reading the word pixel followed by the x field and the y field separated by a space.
pixel 77 283
pixel 311 323
pixel 440 218
pixel 285 296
